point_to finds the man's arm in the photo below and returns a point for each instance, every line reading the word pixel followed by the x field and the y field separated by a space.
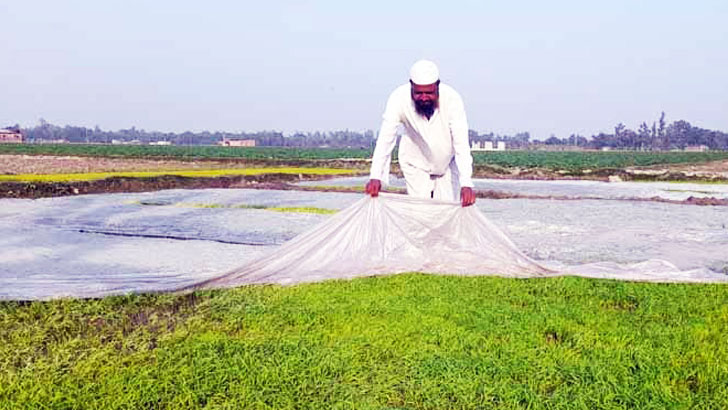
pixel 387 139
pixel 461 146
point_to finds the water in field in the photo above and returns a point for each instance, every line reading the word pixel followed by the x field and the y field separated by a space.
pixel 573 189
pixel 161 240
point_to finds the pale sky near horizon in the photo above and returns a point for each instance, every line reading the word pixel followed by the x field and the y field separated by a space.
pixel 557 67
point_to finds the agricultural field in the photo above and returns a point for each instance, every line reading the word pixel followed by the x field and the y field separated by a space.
pixel 90 176
pixel 407 341
pixel 403 341
pixel 592 160
pixel 34 171
pixel 573 161
pixel 186 152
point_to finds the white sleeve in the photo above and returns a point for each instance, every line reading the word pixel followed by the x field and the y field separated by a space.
pixel 387 139
pixel 461 142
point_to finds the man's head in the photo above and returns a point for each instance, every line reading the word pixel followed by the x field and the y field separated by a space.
pixel 425 82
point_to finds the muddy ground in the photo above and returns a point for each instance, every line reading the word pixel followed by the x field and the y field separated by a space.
pixel 123 184
pixel 716 171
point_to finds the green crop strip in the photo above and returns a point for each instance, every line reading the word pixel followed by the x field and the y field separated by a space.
pixel 188 152
pixel 579 161
pixel 90 176
pixel 296 209
pixel 302 209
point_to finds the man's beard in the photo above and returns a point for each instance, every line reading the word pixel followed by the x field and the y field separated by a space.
pixel 425 108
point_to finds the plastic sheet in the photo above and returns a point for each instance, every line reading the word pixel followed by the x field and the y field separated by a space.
pixel 99 245
pixel 396 233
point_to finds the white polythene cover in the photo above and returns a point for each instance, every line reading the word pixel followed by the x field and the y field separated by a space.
pixel 397 233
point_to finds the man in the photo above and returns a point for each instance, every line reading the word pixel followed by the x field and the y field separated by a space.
pixel 434 153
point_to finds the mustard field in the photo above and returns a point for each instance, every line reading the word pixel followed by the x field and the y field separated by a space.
pixel 91 176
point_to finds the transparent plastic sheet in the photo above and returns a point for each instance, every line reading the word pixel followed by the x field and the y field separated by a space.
pixel 397 233
pixel 52 248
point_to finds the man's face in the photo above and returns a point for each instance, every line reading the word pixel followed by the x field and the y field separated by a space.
pixel 425 98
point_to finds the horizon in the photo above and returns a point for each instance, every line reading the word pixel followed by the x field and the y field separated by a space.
pixel 480 133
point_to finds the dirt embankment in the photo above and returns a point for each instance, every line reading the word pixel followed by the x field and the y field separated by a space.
pixel 123 184
pixel 45 164
pixel 266 181
pixel 710 172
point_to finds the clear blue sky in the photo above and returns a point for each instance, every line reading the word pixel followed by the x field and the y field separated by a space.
pixel 544 67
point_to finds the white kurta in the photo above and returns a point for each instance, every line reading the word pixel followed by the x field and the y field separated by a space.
pixel 434 154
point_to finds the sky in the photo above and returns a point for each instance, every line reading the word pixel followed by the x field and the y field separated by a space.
pixel 556 67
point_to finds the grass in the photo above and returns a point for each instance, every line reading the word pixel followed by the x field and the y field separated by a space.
pixel 182 152
pixel 302 209
pixel 580 161
pixel 209 173
pixel 406 341
pixel 294 209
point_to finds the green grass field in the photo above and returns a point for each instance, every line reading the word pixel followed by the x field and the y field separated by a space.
pixel 569 161
pixel 594 160
pixel 400 342
pixel 207 173
pixel 182 152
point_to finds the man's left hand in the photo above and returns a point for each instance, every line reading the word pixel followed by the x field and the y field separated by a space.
pixel 467 196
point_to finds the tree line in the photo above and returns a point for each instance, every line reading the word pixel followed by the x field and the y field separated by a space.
pixel 658 136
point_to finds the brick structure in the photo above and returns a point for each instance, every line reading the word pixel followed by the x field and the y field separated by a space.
pixel 10 137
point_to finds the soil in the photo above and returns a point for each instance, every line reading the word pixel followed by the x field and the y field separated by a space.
pixel 123 184
pixel 716 171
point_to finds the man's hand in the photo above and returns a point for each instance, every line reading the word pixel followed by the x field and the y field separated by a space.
pixel 467 196
pixel 373 187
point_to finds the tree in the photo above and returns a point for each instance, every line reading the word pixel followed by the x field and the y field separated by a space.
pixel 678 134
pixel 662 133
pixel 644 137
pixel 553 140
pixel 603 140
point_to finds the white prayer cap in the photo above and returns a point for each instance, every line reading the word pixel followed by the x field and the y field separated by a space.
pixel 424 72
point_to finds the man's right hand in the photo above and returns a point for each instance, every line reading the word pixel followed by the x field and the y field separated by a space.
pixel 373 187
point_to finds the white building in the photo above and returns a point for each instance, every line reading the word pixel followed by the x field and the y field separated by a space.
pixel 226 142
pixel 11 136
pixel 696 148
pixel 488 146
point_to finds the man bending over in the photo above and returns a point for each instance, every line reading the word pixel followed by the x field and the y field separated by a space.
pixel 434 152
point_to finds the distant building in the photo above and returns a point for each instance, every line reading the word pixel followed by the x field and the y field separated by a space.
pixel 237 143
pixel 488 146
pixel 160 143
pixel 10 137
pixel 125 142
pixel 696 148
pixel 57 141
